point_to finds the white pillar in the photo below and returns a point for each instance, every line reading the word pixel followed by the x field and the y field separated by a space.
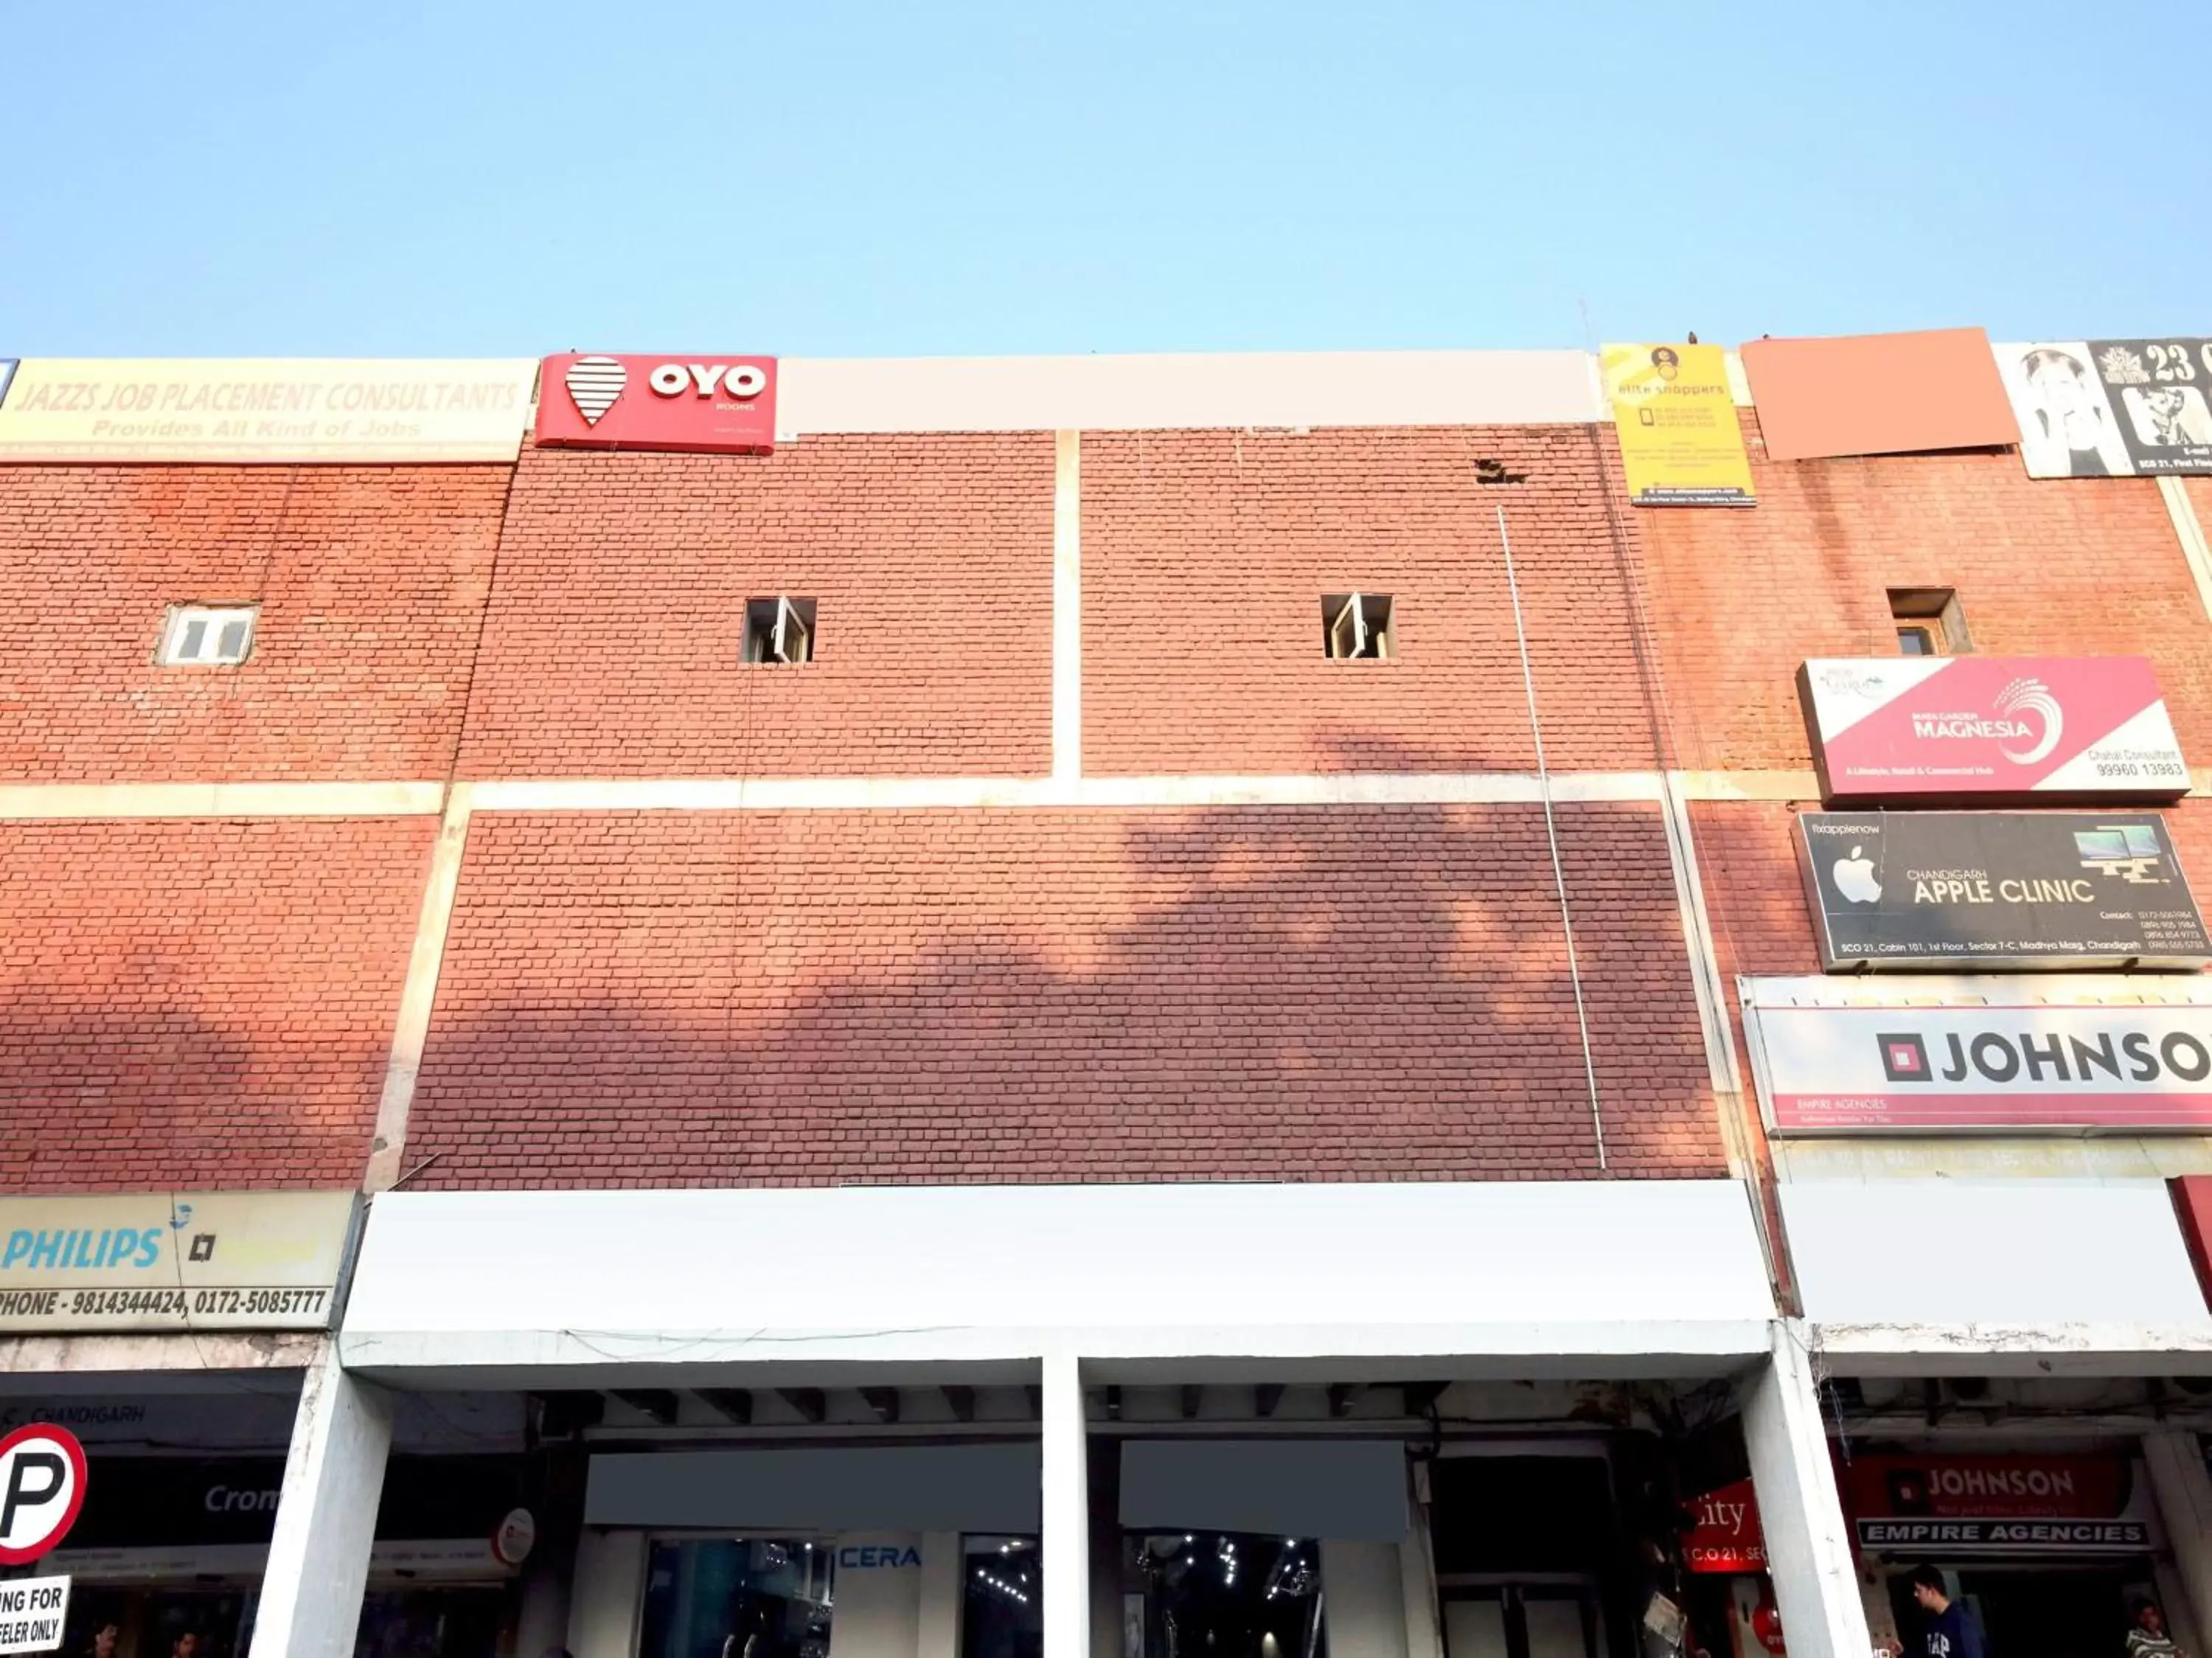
pixel 1065 1542
pixel 1417 1582
pixel 2176 1461
pixel 1809 1547
pixel 943 1587
pixel 607 1595
pixel 318 1568
pixel 1366 1590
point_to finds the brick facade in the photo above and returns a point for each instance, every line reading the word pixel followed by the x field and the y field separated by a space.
pixel 614 645
pixel 1038 993
pixel 1206 555
pixel 2069 567
pixel 371 581
pixel 803 999
pixel 194 1005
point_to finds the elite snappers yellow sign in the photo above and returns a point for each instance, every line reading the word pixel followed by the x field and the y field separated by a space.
pixel 1679 442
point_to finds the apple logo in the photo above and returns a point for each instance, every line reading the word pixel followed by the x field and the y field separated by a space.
pixel 1855 877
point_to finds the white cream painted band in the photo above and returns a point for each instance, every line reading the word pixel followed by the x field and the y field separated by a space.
pixel 1169 392
pixel 931 793
pixel 2182 511
pixel 418 996
pixel 31 801
pixel 1067 606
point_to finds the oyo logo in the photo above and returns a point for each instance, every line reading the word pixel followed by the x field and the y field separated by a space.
pixel 595 383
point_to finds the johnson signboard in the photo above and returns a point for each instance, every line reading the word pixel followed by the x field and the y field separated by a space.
pixel 2074 1054
pixel 696 405
pixel 1948 890
pixel 1975 1505
pixel 1985 729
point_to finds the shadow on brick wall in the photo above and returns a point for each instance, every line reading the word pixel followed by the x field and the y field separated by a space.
pixel 1277 993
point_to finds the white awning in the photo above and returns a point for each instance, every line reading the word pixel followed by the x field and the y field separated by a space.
pixel 1344 1282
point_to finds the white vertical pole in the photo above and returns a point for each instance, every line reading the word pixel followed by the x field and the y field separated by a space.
pixel 1810 1551
pixel 2176 1461
pixel 1066 1540
pixel 608 1594
pixel 943 1586
pixel 1068 606
pixel 317 1569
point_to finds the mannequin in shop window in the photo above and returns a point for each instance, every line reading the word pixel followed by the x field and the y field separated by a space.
pixel 2148 1638
pixel 1949 1630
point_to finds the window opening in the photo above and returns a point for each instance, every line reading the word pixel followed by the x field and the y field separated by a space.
pixel 1356 625
pixel 1930 622
pixel 207 635
pixel 779 630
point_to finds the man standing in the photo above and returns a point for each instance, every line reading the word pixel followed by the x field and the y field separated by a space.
pixel 1949 1630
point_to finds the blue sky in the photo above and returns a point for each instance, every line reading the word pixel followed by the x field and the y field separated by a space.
pixel 817 178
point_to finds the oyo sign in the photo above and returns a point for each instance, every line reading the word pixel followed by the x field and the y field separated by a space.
pixel 694 405
pixel 42 1481
pixel 2035 730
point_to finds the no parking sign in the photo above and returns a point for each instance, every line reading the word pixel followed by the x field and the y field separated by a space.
pixel 42 1481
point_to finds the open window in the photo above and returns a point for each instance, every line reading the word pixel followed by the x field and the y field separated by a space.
pixel 1930 622
pixel 207 635
pixel 1356 624
pixel 780 629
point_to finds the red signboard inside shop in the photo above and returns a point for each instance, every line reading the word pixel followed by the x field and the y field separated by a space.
pixel 1980 729
pixel 687 404
pixel 1727 1537
pixel 1968 1505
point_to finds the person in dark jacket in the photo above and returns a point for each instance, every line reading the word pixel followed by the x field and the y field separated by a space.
pixel 1949 1630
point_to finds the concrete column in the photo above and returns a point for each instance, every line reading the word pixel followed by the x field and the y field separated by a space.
pixel 1809 1551
pixel 1366 1590
pixel 607 1595
pixel 1065 1542
pixel 1417 1582
pixel 310 1593
pixel 943 1589
pixel 2176 1462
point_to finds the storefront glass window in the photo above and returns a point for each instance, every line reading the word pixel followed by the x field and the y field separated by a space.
pixel 150 1622
pixel 1221 1594
pixel 1004 1617
pixel 738 1597
pixel 430 1624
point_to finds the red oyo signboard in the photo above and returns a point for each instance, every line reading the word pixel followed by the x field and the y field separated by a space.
pixel 1972 1505
pixel 2037 730
pixel 1727 1537
pixel 689 405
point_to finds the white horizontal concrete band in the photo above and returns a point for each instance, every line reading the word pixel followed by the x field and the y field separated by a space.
pixel 2095 1349
pixel 1164 392
pixel 38 801
pixel 94 1355
pixel 43 802
pixel 929 794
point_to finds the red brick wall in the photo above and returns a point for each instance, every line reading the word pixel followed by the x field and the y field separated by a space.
pixel 787 998
pixel 370 579
pixel 2057 567
pixel 615 639
pixel 197 1004
pixel 1205 555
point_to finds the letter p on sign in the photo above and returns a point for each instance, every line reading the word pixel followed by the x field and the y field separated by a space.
pixel 42 1479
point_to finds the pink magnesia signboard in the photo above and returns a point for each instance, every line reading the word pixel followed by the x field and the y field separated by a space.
pixel 2043 729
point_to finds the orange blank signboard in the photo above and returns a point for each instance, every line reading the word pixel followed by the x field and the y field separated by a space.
pixel 1877 394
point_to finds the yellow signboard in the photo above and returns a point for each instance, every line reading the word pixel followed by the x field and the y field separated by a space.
pixel 266 409
pixel 1679 442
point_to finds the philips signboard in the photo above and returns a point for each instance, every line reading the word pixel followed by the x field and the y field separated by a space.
pixel 1952 890
pixel 251 1261
pixel 2077 1054
pixel 1983 730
